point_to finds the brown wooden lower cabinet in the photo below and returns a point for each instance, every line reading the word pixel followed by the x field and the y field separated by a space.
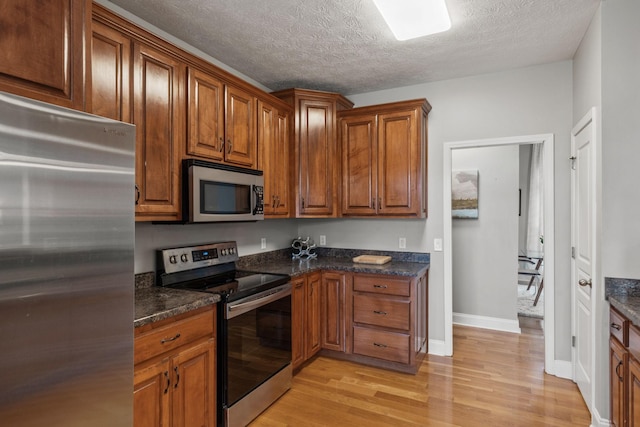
pixel 618 367
pixel 174 372
pixel 333 302
pixel 305 317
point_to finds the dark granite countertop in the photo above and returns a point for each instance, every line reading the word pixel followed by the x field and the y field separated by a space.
pixel 153 303
pixel 624 296
pixel 298 267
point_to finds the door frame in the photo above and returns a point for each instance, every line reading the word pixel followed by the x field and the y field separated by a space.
pixel 547 141
pixel 597 290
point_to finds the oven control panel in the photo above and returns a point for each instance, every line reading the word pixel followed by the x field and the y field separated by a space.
pixel 191 257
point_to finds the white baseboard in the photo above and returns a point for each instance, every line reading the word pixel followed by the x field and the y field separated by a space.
pixel 436 347
pixel 598 421
pixel 562 369
pixel 485 322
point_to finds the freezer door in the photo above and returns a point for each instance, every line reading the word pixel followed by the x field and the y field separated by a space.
pixel 66 263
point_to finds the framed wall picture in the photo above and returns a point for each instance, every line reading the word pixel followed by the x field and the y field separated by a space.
pixel 464 194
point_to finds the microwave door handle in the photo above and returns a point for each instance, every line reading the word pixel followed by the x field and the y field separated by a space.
pixel 237 308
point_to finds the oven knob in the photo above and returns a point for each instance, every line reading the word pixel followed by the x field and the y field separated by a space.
pixel 231 251
pixel 173 260
pixel 224 252
pixel 184 258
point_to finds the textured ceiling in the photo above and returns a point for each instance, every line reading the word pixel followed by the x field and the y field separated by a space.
pixel 345 46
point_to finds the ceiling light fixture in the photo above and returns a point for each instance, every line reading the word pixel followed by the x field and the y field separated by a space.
pixel 409 19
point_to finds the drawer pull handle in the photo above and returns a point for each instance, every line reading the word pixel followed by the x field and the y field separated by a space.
pixel 380 345
pixel 164 340
pixel 166 375
pixel 383 313
pixel 380 286
pixel 618 372
pixel 616 326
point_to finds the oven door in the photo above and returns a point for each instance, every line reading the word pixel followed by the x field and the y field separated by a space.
pixel 256 354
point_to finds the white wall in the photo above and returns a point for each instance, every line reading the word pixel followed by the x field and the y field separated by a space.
pixel 485 249
pixel 526 101
pixel 149 237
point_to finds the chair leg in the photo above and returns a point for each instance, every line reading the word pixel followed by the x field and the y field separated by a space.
pixel 535 301
pixel 531 282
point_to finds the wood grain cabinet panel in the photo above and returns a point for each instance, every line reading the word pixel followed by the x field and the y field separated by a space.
pixel 240 123
pixel 317 169
pixel 618 368
pixel 384 160
pixel 43 50
pixel 382 311
pixel 305 317
pixel 175 385
pixel 274 161
pixel 159 119
pixel 333 317
pixel 205 116
pixel 386 345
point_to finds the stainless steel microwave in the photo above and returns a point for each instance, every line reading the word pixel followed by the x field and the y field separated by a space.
pixel 215 192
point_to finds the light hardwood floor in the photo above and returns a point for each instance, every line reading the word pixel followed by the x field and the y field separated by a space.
pixel 493 379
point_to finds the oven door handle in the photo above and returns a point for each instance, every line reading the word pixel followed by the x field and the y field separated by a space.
pixel 242 306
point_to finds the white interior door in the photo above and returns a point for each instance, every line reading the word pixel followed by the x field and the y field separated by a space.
pixel 583 238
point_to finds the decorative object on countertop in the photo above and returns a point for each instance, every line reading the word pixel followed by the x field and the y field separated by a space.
pixel 372 259
pixel 302 248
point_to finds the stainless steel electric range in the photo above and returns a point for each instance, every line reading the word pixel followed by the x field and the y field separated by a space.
pixel 254 325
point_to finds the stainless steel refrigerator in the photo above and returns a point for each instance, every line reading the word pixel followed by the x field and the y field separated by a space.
pixel 66 267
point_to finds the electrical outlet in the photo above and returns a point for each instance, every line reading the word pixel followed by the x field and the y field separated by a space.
pixel 263 243
pixel 402 243
pixel 437 245
pixel 323 240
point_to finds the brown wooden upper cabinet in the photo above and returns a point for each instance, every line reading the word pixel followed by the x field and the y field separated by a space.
pixel 136 80
pixel 275 158
pixel 222 121
pixel 315 150
pixel 384 160
pixel 43 50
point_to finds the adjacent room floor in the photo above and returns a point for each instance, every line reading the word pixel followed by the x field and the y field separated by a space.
pixel 493 379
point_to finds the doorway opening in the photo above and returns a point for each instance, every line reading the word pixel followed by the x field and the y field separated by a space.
pixel 547 144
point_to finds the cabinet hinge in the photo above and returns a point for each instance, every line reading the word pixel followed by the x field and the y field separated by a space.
pixel 573 341
pixel 573 252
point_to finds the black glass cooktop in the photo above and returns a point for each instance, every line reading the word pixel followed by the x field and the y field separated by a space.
pixel 236 284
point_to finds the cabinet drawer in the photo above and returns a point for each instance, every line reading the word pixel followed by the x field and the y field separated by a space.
pixel 174 335
pixel 382 284
pixel 381 311
pixel 619 327
pixel 385 345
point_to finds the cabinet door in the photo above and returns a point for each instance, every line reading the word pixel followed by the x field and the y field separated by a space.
pixel 194 394
pixel 151 391
pixel 634 392
pixel 158 116
pixel 273 141
pixel 298 326
pixel 618 362
pixel 111 73
pixel 358 137
pixel 43 50
pixel 205 116
pixel 315 165
pixel 399 163
pixel 333 315
pixel 312 342
pixel 240 143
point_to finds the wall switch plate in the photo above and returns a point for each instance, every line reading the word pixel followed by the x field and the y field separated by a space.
pixel 402 243
pixel 263 243
pixel 323 240
pixel 437 245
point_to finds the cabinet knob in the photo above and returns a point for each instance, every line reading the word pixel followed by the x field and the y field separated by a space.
pixel 382 313
pixel 380 345
pixel 380 286
pixel 616 326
